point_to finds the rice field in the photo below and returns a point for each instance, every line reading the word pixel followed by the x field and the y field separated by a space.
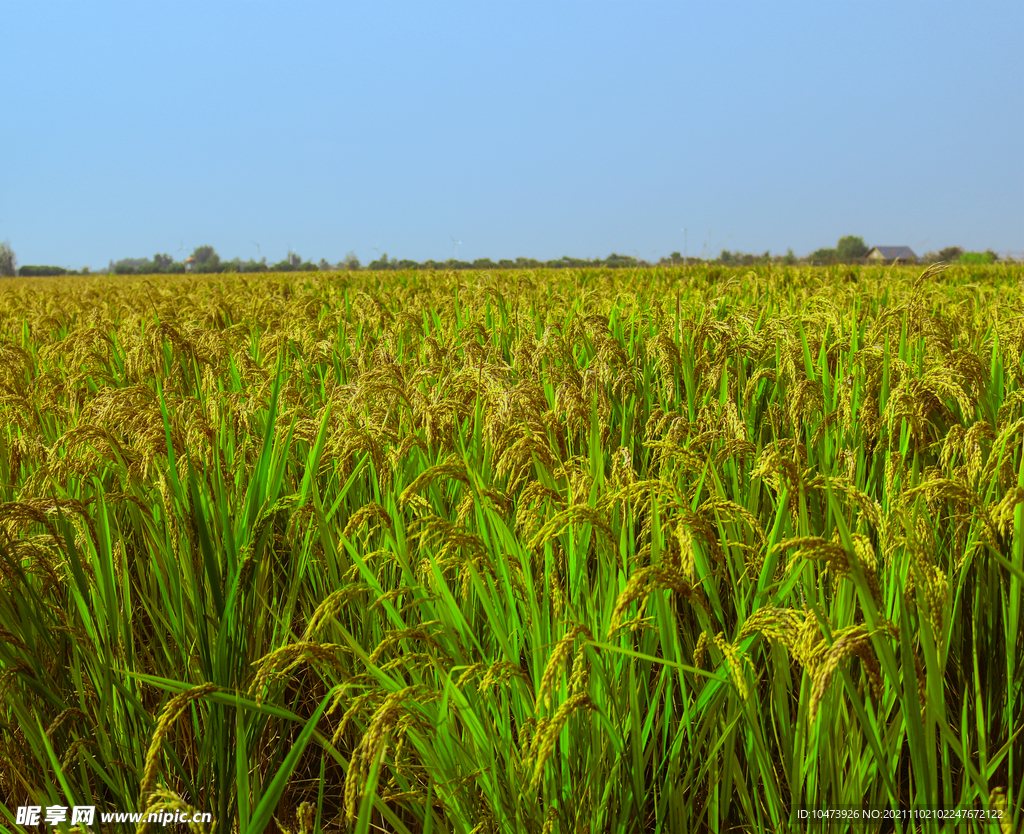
pixel 653 550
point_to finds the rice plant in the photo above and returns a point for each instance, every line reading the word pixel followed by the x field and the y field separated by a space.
pixel 659 550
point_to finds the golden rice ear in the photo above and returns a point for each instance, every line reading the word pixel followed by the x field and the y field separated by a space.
pixel 700 650
pixel 735 658
pixel 781 624
pixel 643 582
pixel 997 798
pixel 163 799
pixel 546 740
pixel 305 817
pixel 389 719
pixel 927 275
pixel 556 662
pixel 330 607
pixel 171 712
pixel 279 662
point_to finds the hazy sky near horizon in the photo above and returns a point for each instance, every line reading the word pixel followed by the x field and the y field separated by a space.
pixel 519 129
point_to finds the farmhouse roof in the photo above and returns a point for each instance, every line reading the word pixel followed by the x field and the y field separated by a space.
pixel 894 253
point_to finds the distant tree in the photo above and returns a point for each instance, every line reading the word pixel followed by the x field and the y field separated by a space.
pixel 253 266
pixel 131 266
pixel 789 258
pixel 324 266
pixel 206 259
pixel 615 260
pixel 201 254
pixel 142 266
pixel 381 263
pixel 533 263
pixel 28 271
pixel 743 258
pixel 951 254
pixel 350 261
pixel 294 258
pixel 8 261
pixel 176 268
pixel 823 256
pixel 851 248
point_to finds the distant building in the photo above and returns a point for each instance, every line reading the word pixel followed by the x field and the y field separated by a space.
pixel 189 263
pixel 893 254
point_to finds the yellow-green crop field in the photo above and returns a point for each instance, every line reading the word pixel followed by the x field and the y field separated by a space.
pixel 660 550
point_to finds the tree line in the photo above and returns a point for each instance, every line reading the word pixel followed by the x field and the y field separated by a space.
pixel 204 259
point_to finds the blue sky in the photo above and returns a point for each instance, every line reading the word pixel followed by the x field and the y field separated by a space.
pixel 517 128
